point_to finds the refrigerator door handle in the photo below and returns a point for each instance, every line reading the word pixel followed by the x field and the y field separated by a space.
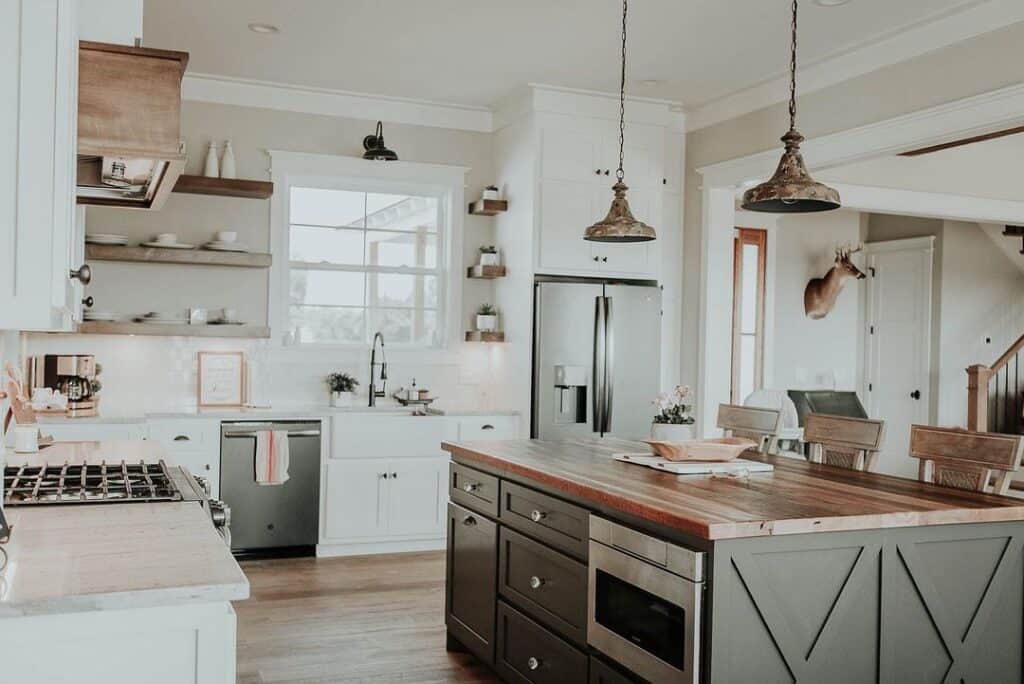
pixel 600 357
pixel 609 365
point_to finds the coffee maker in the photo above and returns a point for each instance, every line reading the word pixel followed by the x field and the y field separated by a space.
pixel 72 376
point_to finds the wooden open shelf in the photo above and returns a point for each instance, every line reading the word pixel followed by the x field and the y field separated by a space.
pixel 184 330
pixel 224 187
pixel 485 272
pixel 485 336
pixel 486 207
pixel 160 255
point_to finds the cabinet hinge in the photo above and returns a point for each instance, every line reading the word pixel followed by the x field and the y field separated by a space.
pixel 872 270
pixel 871 387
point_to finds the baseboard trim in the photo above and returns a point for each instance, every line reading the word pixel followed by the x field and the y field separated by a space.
pixel 378 547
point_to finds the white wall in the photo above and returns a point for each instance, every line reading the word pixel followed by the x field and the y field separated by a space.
pixel 804 353
pixel 147 373
pixel 982 311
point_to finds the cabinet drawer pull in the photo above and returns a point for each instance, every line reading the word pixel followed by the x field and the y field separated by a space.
pixel 537 516
pixel 487 427
pixel 536 582
pixel 182 438
pixel 384 475
pixel 394 476
pixel 533 663
pixel 470 487
pixel 469 521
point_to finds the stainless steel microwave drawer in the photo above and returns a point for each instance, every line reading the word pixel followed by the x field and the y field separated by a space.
pixel 553 521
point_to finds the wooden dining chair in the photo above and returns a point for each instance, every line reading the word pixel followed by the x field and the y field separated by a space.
pixel 758 424
pixel 844 442
pixel 952 457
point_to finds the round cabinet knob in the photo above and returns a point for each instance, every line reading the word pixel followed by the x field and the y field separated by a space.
pixel 536 582
pixel 537 516
pixel 597 258
pixel 916 395
pixel 607 171
pixel 470 488
pixel 87 302
pixel 604 259
pixel 597 171
pixel 83 274
pixel 533 663
pixel 469 521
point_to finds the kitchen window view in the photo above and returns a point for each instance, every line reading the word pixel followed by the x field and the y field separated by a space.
pixel 361 262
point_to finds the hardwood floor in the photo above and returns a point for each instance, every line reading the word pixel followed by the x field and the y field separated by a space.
pixel 367 619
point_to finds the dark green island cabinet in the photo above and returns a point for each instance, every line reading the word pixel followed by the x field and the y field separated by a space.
pixel 811 573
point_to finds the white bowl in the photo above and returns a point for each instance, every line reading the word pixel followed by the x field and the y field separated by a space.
pixel 225 236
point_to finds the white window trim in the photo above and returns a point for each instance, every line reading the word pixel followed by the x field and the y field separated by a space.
pixel 324 170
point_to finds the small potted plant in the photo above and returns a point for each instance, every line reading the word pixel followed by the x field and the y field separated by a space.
pixel 674 420
pixel 343 389
pixel 488 255
pixel 491 192
pixel 487 318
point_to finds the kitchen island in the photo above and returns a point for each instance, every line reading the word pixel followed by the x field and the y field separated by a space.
pixel 808 573
pixel 120 592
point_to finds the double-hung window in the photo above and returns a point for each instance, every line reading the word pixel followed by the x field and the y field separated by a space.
pixel 363 257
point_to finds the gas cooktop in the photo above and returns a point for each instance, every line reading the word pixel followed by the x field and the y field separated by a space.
pixel 92 483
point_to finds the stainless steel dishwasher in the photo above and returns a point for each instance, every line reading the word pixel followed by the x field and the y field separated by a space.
pixel 272 520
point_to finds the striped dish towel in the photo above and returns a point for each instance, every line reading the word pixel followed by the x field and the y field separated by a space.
pixel 271 460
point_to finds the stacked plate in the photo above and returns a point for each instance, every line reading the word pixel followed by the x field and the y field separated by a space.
pixel 220 246
pixel 163 318
pixel 167 245
pixel 106 239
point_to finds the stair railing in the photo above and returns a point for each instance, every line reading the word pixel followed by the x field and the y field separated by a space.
pixel 995 394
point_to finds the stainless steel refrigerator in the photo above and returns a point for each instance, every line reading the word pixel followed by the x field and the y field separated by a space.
pixel 596 357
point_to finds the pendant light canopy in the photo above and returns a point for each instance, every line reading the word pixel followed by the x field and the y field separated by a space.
pixel 620 225
pixel 791 190
pixel 375 147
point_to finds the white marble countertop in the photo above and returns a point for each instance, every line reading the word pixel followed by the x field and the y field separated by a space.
pixel 282 412
pixel 68 559
pixel 78 558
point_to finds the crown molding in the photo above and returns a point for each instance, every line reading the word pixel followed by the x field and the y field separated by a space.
pixel 969 116
pixel 891 48
pixel 244 92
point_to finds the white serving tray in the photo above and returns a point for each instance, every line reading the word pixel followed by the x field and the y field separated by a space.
pixel 734 467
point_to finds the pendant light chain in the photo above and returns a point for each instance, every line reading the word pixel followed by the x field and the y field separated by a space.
pixel 792 73
pixel 620 174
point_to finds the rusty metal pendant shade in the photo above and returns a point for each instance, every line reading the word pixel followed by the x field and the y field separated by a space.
pixel 375 147
pixel 620 225
pixel 791 190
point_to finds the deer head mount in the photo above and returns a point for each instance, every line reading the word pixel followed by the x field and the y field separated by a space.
pixel 821 293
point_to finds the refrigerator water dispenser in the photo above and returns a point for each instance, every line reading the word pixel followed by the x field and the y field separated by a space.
pixel 570 395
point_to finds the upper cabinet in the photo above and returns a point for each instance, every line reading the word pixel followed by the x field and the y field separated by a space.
pixel 577 160
pixel 38 75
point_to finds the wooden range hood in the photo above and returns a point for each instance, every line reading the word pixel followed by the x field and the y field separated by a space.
pixel 130 152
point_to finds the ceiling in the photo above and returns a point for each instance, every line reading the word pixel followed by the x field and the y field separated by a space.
pixel 474 52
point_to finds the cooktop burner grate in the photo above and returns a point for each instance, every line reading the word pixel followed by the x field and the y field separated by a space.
pixel 92 483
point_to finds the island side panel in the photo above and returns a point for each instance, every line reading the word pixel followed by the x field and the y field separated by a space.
pixel 919 604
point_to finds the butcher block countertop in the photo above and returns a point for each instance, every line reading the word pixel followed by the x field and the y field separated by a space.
pixel 796 498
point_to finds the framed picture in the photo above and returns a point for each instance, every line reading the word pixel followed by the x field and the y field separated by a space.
pixel 221 378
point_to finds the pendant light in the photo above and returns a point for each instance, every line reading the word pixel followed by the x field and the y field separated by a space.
pixel 375 147
pixel 791 190
pixel 619 225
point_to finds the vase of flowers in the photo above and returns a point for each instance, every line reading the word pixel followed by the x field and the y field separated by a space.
pixel 674 420
pixel 343 389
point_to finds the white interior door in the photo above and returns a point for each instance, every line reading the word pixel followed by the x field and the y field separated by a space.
pixel 898 344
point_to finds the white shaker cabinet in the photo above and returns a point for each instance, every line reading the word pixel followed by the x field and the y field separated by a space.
pixel 38 129
pixel 386 480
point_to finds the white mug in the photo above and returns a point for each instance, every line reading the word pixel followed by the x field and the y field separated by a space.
pixel 167 238
pixel 26 439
